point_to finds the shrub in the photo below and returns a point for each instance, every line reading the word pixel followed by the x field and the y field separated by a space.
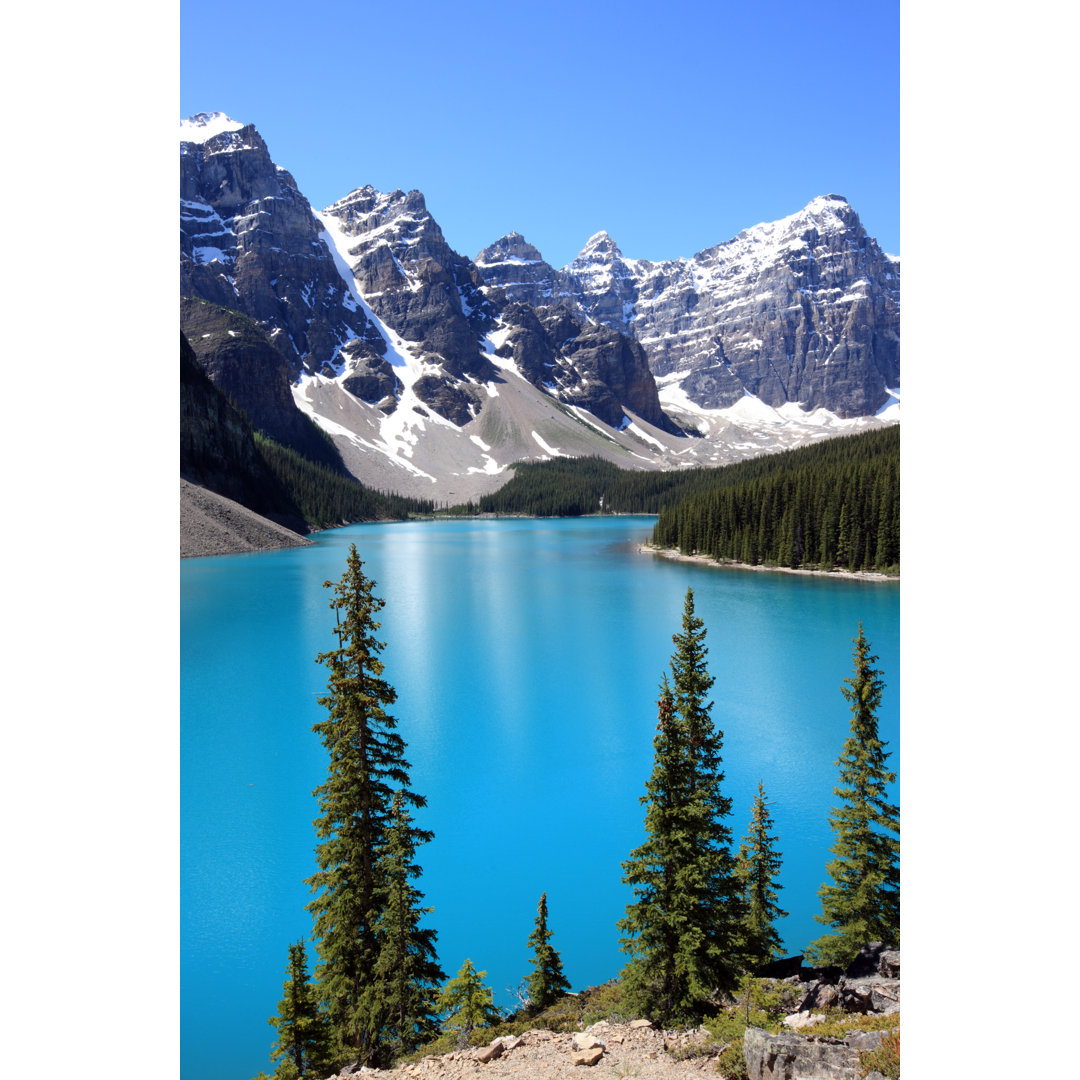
pixel 886 1059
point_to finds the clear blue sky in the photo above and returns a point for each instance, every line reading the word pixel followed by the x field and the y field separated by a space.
pixel 670 128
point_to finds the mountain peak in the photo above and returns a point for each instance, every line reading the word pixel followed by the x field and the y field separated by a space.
pixel 834 207
pixel 204 126
pixel 512 248
pixel 600 244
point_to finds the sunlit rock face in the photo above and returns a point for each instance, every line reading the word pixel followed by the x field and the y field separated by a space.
pixel 249 241
pixel 803 310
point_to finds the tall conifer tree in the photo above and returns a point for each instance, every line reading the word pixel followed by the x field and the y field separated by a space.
pixel 367 763
pixel 547 983
pixel 758 866
pixel 407 969
pixel 863 902
pixel 303 1042
pixel 683 929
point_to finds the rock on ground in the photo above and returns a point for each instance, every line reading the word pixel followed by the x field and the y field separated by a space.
pixel 210 524
pixel 796 1057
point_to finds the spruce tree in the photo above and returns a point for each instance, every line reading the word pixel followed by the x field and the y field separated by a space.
pixel 683 929
pixel 547 983
pixel 758 867
pixel 407 970
pixel 863 902
pixel 467 1002
pixel 303 1038
pixel 367 763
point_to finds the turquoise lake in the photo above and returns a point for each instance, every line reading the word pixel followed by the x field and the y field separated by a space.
pixel 526 655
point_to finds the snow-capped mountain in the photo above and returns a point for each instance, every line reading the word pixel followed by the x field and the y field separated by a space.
pixel 250 242
pixel 805 310
pixel 431 371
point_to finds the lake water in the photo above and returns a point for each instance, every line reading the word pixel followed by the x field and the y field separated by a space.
pixel 526 656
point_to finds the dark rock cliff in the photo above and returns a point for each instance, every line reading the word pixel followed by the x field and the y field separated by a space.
pixel 241 362
pixel 249 241
pixel 217 450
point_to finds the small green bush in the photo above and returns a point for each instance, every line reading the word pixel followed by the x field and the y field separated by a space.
pixel 838 1024
pixel 607 1002
pixel 731 1064
pixel 886 1059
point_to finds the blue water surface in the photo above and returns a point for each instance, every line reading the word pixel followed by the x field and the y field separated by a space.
pixel 526 655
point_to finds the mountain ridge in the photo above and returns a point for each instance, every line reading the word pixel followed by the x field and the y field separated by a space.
pixel 432 372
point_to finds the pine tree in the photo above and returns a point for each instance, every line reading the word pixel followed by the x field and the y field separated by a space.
pixel 467 1002
pixel 547 983
pixel 683 929
pixel 303 1037
pixel 863 903
pixel 407 970
pixel 758 867
pixel 367 763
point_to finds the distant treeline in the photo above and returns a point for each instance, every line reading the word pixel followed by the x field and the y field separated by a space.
pixel 325 497
pixel 570 487
pixel 835 503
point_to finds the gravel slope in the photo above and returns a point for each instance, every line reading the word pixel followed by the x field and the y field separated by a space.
pixel 210 524
pixel 545 1055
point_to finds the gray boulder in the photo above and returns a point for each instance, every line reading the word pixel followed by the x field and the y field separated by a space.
pixel 799 1057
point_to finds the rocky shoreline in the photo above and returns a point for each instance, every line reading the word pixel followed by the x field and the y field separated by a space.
pixel 730 564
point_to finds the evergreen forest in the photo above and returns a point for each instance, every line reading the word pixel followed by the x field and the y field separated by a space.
pixel 835 504
pixel 325 497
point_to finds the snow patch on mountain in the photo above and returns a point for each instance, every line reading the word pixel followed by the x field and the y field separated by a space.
pixel 202 127
pixel 397 440
pixel 753 412
pixel 891 409
pixel 399 355
pixel 643 435
pixel 491 467
pixel 550 451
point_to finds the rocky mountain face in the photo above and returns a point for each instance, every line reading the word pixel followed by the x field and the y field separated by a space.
pixel 426 293
pixel 804 310
pixel 518 271
pixel 238 358
pixel 249 241
pixel 559 346
pixel 427 368
pixel 582 363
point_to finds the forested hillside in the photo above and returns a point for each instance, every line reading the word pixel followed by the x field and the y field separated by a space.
pixel 325 497
pixel 570 487
pixel 222 451
pixel 833 504
pixel 836 503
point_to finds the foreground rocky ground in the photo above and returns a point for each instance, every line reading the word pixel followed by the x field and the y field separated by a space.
pixel 210 524
pixel 832 1017
pixel 635 1049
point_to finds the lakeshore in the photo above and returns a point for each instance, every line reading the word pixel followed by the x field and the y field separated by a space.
pixel 730 564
